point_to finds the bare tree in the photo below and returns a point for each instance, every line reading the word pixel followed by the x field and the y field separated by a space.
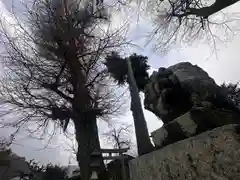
pixel 121 136
pixel 184 21
pixel 5 142
pixel 54 73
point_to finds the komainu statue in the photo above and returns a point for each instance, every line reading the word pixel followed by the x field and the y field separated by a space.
pixel 175 90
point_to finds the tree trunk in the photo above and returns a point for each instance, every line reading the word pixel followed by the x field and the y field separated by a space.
pixel 143 141
pixel 85 123
pixel 88 141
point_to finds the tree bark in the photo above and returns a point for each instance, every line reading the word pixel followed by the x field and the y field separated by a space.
pixel 143 141
pixel 85 123
pixel 88 141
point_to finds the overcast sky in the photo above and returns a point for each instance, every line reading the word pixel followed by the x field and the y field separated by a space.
pixel 222 66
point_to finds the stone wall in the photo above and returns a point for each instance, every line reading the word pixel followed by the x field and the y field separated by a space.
pixel 214 154
pixel 195 121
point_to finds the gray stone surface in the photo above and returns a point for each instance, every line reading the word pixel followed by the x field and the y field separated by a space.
pixel 186 72
pixel 173 91
pixel 192 123
pixel 212 155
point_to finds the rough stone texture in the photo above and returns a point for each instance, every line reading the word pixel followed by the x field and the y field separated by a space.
pixel 212 155
pixel 185 72
pixel 160 87
pixel 192 123
pixel 173 91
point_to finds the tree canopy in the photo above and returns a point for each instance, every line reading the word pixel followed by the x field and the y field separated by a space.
pixel 117 67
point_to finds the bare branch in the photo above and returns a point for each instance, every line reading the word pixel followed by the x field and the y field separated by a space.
pixel 119 136
pixel 187 21
pixel 54 72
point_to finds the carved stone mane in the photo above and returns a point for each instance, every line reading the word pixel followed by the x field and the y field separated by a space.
pixel 175 90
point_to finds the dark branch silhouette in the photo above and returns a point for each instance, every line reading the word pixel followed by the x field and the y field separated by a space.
pixel 119 137
pixel 54 72
pixel 185 21
pixel 183 8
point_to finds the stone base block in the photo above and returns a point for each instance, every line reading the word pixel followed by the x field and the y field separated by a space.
pixel 192 123
pixel 212 155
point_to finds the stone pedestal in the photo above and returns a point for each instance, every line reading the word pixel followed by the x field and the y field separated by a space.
pixel 192 123
pixel 212 155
